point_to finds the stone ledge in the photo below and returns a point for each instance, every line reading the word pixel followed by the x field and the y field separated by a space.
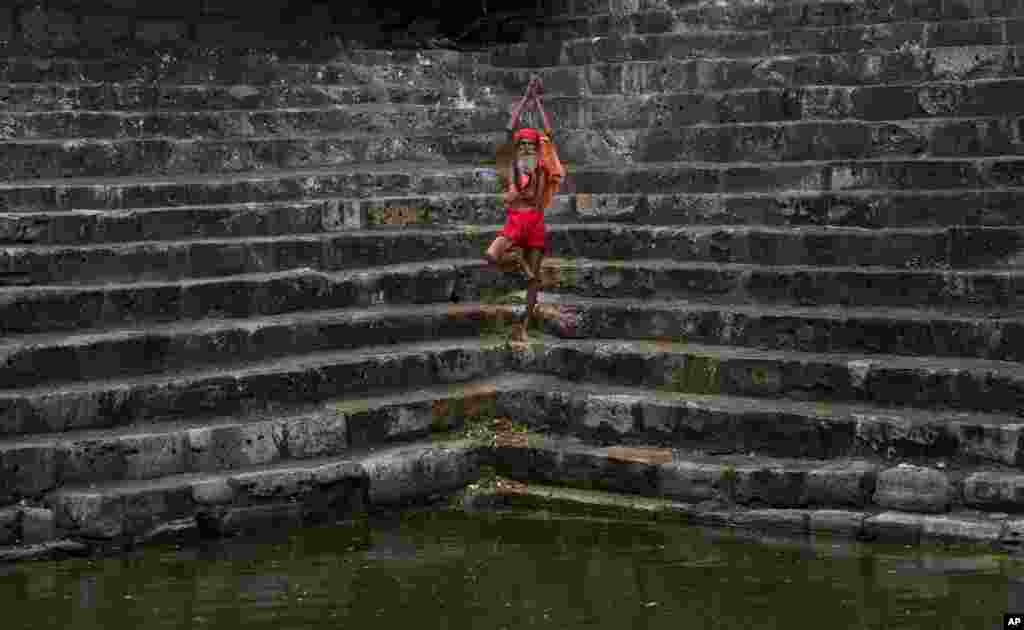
pixel 907 528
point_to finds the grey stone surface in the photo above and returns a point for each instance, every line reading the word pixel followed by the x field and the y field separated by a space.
pixel 914 489
pixel 690 481
pixel 90 515
pixel 404 475
pixel 961 529
pixel 213 492
pixel 10 525
pixel 994 491
pixel 795 521
pixel 841 522
pixel 898 527
pixel 38 525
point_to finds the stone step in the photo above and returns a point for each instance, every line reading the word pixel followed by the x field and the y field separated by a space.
pixel 181 152
pixel 747 480
pixel 157 261
pixel 891 103
pixel 864 209
pixel 28 361
pixel 326 214
pixel 362 181
pixel 34 465
pixel 148 224
pixel 722 425
pixel 37 464
pixel 331 214
pixel 148 261
pixel 224 124
pixel 655 130
pixel 788 14
pixel 954 247
pixel 906 331
pixel 691 41
pixel 613 177
pixel 292 493
pixel 22 159
pixel 160 103
pixel 777 177
pixel 965 292
pixel 163 97
pixel 991 531
pixel 944 24
pixel 886 380
pixel 910 66
pixel 213 391
pixel 795 141
pixel 240 70
pixel 54 308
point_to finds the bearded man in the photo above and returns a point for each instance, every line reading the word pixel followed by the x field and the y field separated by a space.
pixel 532 178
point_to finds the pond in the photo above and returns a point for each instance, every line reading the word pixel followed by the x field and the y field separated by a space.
pixel 520 569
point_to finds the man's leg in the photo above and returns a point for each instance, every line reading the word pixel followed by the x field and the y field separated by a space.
pixel 497 250
pixel 533 258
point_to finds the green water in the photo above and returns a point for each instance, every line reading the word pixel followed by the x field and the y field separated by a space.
pixel 450 569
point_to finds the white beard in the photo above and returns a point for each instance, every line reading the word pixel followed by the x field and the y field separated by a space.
pixel 527 165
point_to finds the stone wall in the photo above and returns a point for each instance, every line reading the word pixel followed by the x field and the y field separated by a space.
pixel 100 28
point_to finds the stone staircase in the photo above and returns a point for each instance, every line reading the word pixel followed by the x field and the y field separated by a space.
pixel 784 287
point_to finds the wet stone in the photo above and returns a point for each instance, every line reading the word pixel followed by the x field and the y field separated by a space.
pixel 10 525
pixel 90 515
pixel 795 521
pixel 840 522
pixel 914 489
pixel 954 529
pixel 414 474
pixel 898 527
pixel 254 518
pixel 38 525
pixel 213 492
pixel 993 491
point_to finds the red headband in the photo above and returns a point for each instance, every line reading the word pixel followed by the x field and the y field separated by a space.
pixel 527 134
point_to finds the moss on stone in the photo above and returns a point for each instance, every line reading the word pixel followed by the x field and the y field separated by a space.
pixel 700 375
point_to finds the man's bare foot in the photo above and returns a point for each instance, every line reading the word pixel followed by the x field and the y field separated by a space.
pixel 526 269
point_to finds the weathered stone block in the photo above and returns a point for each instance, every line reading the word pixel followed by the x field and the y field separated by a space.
pixel 252 518
pixel 314 435
pixel 617 414
pixel 895 527
pixel 27 471
pixel 90 515
pixel 914 488
pixel 38 525
pixel 960 529
pixel 840 522
pixel 10 525
pixel 990 490
pixel 794 521
pixel 1014 533
pixel 213 492
pixel 266 484
pixel 841 484
pixel 690 482
pixel 410 474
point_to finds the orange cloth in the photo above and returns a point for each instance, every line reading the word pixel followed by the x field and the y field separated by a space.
pixel 551 173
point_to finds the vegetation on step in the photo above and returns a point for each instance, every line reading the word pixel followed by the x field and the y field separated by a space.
pixel 699 375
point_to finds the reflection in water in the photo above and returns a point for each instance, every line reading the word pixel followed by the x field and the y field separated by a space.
pixel 454 570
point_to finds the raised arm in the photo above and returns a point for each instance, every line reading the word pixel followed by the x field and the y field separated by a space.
pixel 538 91
pixel 517 111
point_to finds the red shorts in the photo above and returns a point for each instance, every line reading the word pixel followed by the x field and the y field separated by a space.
pixel 525 228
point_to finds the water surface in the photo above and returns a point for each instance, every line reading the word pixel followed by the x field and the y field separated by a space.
pixel 450 569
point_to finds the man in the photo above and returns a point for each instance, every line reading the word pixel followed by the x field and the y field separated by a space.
pixel 532 179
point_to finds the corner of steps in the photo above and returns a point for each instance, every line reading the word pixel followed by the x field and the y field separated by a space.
pixel 86 519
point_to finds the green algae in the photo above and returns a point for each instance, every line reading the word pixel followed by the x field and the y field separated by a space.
pixel 699 375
